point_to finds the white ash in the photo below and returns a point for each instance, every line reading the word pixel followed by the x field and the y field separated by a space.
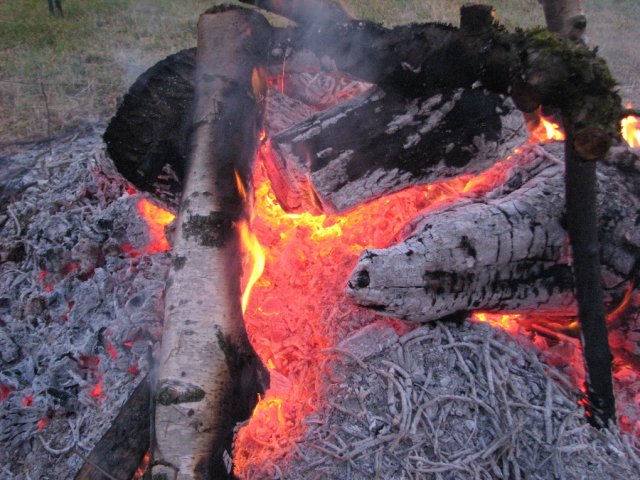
pixel 449 402
pixel 75 283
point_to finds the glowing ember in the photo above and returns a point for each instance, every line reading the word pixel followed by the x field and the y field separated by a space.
pixel 296 307
pixel 157 219
pixel 96 392
pixel 631 129
pixel 5 391
pixel 143 467
pixel 112 351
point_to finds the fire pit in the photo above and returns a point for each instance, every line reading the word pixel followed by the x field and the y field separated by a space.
pixel 353 393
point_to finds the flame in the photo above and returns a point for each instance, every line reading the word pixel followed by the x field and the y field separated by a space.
pixel 259 83
pixel 255 250
pixel 542 129
pixel 240 184
pixel 157 219
pixel 631 129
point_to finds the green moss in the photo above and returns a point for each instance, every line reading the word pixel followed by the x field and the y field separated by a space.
pixel 570 77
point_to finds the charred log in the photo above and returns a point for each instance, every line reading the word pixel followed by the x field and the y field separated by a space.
pixel 535 67
pixel 121 449
pixel 146 139
pixel 209 375
pixel 507 251
pixel 381 142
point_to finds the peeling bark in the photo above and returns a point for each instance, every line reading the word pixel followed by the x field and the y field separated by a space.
pixel 382 142
pixel 208 374
pixel 507 251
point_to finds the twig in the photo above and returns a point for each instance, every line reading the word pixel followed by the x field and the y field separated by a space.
pixel 15 219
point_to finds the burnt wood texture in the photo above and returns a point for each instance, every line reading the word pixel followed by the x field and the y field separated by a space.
pixel 120 451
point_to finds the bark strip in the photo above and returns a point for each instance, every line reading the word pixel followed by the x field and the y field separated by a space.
pixel 209 375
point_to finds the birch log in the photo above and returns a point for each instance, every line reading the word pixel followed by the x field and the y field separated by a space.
pixel 208 374
pixel 505 252
pixel 565 17
pixel 381 142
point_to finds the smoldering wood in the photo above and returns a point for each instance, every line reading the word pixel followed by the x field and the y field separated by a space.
pixel 507 251
pixel 209 376
pixel 381 142
pixel 123 446
pixel 146 139
pixel 534 67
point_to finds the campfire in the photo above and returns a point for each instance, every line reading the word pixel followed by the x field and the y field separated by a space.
pixel 406 282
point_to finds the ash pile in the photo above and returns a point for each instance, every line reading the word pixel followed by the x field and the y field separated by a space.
pixel 80 302
pixel 452 402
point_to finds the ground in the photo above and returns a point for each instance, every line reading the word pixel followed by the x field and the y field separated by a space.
pixel 58 73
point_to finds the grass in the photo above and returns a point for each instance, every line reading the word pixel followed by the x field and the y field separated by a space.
pixel 56 73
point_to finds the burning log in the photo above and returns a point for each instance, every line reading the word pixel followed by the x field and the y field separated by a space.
pixel 382 141
pixel 506 251
pixel 209 375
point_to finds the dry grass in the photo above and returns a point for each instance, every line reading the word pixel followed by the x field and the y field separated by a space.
pixel 56 73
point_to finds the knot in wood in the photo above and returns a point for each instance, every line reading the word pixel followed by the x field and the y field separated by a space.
pixel 174 392
pixel 211 230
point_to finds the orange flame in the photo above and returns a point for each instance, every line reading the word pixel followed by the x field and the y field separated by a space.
pixel 631 129
pixel 542 129
pixel 241 190
pixel 156 218
pixel 255 250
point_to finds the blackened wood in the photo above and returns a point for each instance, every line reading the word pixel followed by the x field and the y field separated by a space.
pixel 382 142
pixel 534 67
pixel 147 137
pixel 585 144
pixel 505 251
pixel 120 451
pixel 582 223
pixel 477 18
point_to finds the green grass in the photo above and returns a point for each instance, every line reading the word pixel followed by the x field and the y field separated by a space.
pixel 84 62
